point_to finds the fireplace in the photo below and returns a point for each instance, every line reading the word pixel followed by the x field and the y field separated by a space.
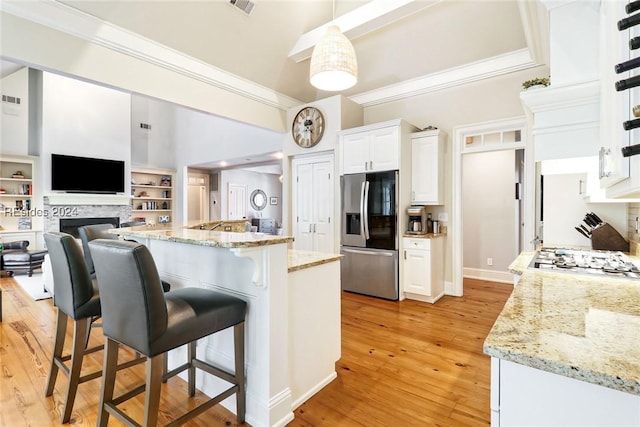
pixel 71 225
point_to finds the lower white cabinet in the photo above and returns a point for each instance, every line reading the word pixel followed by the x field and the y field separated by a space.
pixel 525 396
pixel 423 268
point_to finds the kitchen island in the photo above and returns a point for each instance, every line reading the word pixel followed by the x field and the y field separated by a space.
pixel 293 320
pixel 566 350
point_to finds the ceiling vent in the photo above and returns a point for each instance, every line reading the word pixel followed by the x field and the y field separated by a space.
pixel 244 5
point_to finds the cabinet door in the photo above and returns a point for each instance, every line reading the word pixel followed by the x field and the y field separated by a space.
pixel 355 152
pixel 384 148
pixel 417 271
pixel 426 185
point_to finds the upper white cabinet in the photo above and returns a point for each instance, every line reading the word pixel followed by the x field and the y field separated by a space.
pixel 427 180
pixel 372 148
pixel 618 174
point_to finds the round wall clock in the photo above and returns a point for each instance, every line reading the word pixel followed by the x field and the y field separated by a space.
pixel 308 127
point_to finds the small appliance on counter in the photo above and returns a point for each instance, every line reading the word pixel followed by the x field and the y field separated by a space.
pixel 417 220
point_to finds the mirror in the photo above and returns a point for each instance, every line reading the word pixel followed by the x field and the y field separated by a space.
pixel 258 200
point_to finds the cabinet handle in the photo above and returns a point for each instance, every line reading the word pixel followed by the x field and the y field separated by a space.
pixel 365 165
pixel 580 187
pixel 413 196
pixel 405 254
pixel 370 164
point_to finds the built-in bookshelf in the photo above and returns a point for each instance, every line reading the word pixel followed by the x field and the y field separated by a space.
pixel 20 218
pixel 152 195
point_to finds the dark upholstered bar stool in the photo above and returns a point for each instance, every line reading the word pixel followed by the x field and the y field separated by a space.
pixel 77 298
pixel 136 313
pixel 88 233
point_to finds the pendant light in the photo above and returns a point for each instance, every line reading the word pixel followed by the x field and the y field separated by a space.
pixel 334 65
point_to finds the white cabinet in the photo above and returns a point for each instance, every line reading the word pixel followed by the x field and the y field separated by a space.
pixel 551 400
pixel 370 150
pixel 152 195
pixel 423 268
pixel 313 204
pixel 427 177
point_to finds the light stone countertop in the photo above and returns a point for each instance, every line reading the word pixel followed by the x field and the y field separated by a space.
pixel 218 239
pixel 299 260
pixel 579 326
pixel 424 236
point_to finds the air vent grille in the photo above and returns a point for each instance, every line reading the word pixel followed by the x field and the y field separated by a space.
pixel 244 5
pixel 11 99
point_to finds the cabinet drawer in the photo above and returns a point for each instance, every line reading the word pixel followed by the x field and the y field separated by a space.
pixel 421 243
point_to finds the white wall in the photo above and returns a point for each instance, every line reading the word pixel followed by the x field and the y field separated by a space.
pixel 14 122
pixel 153 147
pixel 83 119
pixel 488 210
pixel 269 183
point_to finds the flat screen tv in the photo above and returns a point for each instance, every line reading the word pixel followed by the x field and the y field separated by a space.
pixel 74 174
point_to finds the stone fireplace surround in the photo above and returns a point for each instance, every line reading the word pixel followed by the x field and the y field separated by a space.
pixel 93 212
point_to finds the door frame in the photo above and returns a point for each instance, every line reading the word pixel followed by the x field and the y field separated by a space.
pixel 456 287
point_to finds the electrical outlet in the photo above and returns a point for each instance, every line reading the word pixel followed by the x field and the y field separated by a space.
pixel 443 216
pixel 489 261
pixel 227 228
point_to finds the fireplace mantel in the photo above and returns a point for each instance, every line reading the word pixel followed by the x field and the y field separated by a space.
pixel 56 199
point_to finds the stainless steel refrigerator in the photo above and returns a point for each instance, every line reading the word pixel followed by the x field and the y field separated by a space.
pixel 369 234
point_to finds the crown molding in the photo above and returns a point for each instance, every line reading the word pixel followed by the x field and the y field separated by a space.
pixel 472 72
pixel 63 18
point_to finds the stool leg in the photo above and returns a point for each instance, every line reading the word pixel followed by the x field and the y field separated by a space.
pixel 191 373
pixel 241 395
pixel 61 331
pixel 108 379
pixel 154 381
pixel 80 328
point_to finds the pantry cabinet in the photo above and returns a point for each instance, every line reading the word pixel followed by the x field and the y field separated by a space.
pixel 423 268
pixel 427 177
pixel 373 148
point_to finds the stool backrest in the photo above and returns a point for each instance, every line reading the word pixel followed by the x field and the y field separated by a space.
pixel 134 311
pixel 73 285
pixel 88 233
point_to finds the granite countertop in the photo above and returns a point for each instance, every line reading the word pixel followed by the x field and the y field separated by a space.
pixel 218 239
pixel 579 326
pixel 299 260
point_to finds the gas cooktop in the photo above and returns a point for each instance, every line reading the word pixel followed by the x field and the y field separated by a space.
pixel 607 263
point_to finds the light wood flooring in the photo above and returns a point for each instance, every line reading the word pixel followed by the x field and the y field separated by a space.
pixel 403 364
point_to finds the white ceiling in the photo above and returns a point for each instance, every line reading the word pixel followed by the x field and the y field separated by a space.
pixel 436 36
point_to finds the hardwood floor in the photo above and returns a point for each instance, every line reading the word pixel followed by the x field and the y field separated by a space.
pixel 403 364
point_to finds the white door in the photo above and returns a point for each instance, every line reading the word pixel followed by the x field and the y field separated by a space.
pixel 304 206
pixel 323 203
pixel 417 272
pixel 196 203
pixel 237 201
pixel 313 204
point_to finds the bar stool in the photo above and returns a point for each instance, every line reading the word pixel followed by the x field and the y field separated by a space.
pixel 76 297
pixel 136 313
pixel 88 233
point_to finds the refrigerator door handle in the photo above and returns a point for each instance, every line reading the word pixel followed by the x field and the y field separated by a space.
pixel 356 251
pixel 362 207
pixel 365 205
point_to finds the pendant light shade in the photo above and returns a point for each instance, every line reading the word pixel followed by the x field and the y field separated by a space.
pixel 333 62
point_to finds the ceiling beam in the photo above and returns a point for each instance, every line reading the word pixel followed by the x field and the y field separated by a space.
pixel 365 19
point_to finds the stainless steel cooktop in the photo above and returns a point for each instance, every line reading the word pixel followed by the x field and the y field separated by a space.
pixel 606 263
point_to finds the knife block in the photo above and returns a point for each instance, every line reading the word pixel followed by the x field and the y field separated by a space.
pixel 606 238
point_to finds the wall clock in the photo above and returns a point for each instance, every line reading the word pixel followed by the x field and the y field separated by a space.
pixel 308 127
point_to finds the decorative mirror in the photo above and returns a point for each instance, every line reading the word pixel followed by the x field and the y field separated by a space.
pixel 258 200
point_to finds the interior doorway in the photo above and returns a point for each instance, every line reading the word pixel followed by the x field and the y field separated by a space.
pixel 197 197
pixel 508 139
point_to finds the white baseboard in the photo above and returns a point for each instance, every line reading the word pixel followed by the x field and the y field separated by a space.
pixel 490 275
pixel 306 396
